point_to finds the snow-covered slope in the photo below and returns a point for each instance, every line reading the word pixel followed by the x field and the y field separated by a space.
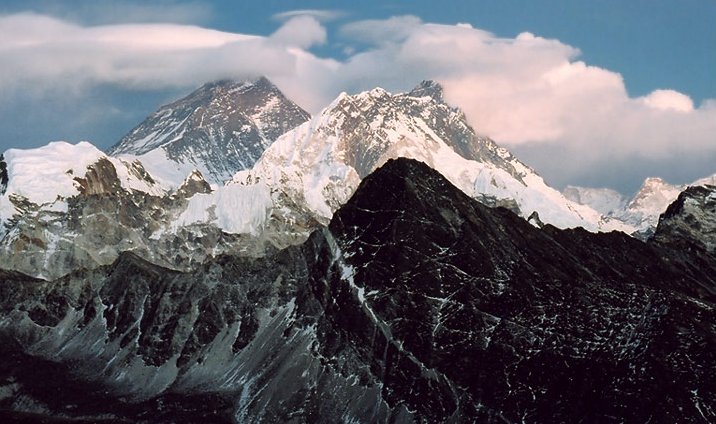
pixel 48 175
pixel 65 207
pixel 603 200
pixel 710 180
pixel 320 163
pixel 219 129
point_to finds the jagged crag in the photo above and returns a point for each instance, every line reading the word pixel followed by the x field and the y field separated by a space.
pixel 416 304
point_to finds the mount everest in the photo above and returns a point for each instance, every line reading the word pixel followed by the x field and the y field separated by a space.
pixel 219 129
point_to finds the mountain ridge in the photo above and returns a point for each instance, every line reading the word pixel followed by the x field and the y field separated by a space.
pixel 416 304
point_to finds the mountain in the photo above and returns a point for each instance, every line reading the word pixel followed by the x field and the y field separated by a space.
pixel 649 202
pixel 641 211
pixel 710 180
pixel 296 185
pixel 320 163
pixel 67 207
pixel 221 128
pixel 415 304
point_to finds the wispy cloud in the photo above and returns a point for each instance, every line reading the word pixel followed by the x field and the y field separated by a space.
pixel 322 15
pixel 301 31
pixel 44 52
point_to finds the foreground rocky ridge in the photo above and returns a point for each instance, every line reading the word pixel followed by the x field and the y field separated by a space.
pixel 415 304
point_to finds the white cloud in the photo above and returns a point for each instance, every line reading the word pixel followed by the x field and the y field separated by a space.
pixel 319 14
pixel 40 52
pixel 532 91
pixel 669 100
pixel 302 31
pixel 391 30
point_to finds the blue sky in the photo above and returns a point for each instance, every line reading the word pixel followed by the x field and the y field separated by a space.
pixel 662 54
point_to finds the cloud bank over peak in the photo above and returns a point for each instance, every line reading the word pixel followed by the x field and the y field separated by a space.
pixel 303 31
pixel 530 93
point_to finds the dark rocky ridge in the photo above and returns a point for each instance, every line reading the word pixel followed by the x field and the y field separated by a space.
pixel 417 304
pixel 690 220
pixel 3 175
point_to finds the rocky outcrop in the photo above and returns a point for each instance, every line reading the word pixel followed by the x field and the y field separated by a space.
pixel 690 220
pixel 416 304
pixel 3 175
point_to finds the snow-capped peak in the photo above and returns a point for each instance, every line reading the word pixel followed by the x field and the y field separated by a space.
pixel 320 163
pixel 642 211
pixel 710 180
pixel 219 129
pixel 428 88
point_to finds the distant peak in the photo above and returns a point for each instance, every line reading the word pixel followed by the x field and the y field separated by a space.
pixel 428 88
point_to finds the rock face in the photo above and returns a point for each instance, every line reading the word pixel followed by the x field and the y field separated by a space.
pixel 3 175
pixel 691 219
pixel 415 304
pixel 221 128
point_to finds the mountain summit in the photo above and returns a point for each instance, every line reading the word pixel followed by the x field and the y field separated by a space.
pixel 219 129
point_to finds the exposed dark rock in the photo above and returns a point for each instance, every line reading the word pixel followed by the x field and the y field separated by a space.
pixel 416 304
pixel 428 88
pixel 100 178
pixel 690 220
pixel 194 184
pixel 534 220
pixel 3 175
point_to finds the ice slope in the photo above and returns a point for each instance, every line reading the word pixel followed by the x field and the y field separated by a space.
pixel 234 208
pixel 321 162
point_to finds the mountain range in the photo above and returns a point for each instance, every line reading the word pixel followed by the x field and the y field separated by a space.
pixel 233 259
pixel 415 304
